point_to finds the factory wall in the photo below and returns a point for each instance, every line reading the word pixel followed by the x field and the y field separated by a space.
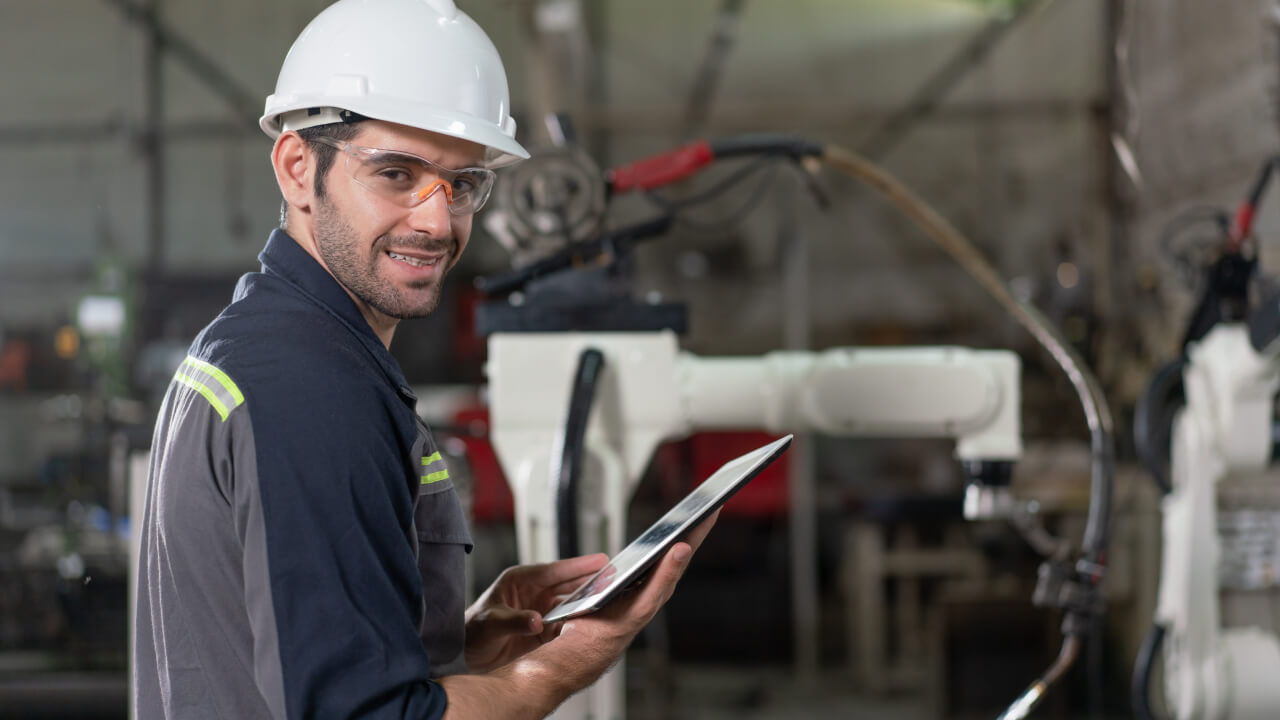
pixel 1012 155
pixel 1023 181
pixel 1015 153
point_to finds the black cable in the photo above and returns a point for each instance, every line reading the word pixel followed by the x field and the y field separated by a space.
pixel 1152 421
pixel 752 201
pixel 1152 418
pixel 1140 691
pixel 590 364
pixel 765 148
pixel 1189 267
pixel 577 254
pixel 1260 182
pixel 765 144
pixel 1191 216
pixel 724 184
pixel 1094 674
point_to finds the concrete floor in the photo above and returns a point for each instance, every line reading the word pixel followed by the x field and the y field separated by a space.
pixel 720 693
pixel 706 692
pixel 656 692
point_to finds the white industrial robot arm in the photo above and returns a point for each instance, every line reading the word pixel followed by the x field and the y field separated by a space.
pixel 1213 673
pixel 652 392
pixel 969 395
pixel 621 452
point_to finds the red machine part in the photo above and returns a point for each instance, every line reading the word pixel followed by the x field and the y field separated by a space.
pixel 491 500
pixel 763 497
pixel 661 169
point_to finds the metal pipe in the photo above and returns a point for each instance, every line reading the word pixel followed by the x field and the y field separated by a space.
pixel 1029 699
pixel 729 116
pixel 802 505
pixel 114 130
pixel 702 93
pixel 154 145
pixel 1097 413
pixel 1026 520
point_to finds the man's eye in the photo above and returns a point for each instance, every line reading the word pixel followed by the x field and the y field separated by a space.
pixel 394 175
pixel 462 183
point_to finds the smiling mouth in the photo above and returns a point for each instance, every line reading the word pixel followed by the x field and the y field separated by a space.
pixel 416 262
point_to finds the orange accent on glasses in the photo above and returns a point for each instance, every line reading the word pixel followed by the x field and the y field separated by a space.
pixel 425 192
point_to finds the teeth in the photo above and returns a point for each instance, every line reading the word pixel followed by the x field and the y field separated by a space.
pixel 412 261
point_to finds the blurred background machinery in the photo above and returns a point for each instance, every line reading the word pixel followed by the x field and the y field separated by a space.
pixel 1061 136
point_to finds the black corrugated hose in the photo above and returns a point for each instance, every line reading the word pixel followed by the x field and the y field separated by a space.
pixel 1152 419
pixel 1140 692
pixel 590 364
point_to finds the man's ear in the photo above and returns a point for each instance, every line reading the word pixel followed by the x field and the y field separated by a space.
pixel 295 169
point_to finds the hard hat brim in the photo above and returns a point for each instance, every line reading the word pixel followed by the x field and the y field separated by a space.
pixel 502 148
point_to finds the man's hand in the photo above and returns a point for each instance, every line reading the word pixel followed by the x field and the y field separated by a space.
pixel 570 657
pixel 506 621
pixel 600 637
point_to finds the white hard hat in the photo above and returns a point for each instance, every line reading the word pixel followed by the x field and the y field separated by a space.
pixel 421 63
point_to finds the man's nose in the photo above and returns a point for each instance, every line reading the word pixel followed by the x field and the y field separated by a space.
pixel 432 215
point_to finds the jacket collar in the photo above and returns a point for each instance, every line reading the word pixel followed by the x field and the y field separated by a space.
pixel 284 258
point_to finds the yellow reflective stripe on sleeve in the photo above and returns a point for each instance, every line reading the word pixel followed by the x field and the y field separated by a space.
pixel 212 384
pixel 204 391
pixel 218 375
pixel 433 457
pixel 435 477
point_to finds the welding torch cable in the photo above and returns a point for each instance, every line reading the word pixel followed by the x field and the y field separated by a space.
pixel 750 202
pixel 717 189
pixel 1031 697
pixel 1096 410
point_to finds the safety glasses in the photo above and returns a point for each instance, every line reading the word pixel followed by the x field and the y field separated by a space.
pixel 408 180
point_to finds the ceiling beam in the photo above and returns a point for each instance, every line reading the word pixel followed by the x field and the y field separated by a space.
pixel 242 103
pixel 827 116
pixel 929 96
pixel 711 70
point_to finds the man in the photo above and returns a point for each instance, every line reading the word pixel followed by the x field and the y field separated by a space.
pixel 302 545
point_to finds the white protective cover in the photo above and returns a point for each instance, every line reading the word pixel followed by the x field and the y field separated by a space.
pixel 421 63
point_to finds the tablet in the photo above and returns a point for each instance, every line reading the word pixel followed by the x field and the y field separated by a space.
pixel 632 561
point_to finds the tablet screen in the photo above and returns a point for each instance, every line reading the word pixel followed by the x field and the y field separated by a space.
pixel 635 558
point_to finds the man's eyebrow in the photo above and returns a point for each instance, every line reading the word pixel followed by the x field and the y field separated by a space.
pixel 386 154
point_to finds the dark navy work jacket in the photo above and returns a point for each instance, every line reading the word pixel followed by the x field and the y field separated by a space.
pixel 302 545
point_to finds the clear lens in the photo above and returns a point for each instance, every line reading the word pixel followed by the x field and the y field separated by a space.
pixel 399 176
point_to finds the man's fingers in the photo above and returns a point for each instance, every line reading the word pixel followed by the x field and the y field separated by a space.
pixel 566 587
pixel 699 532
pixel 515 622
pixel 661 583
pixel 655 592
pixel 549 632
pixel 564 571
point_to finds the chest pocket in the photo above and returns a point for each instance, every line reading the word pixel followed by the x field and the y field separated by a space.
pixel 438 514
pixel 442 542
